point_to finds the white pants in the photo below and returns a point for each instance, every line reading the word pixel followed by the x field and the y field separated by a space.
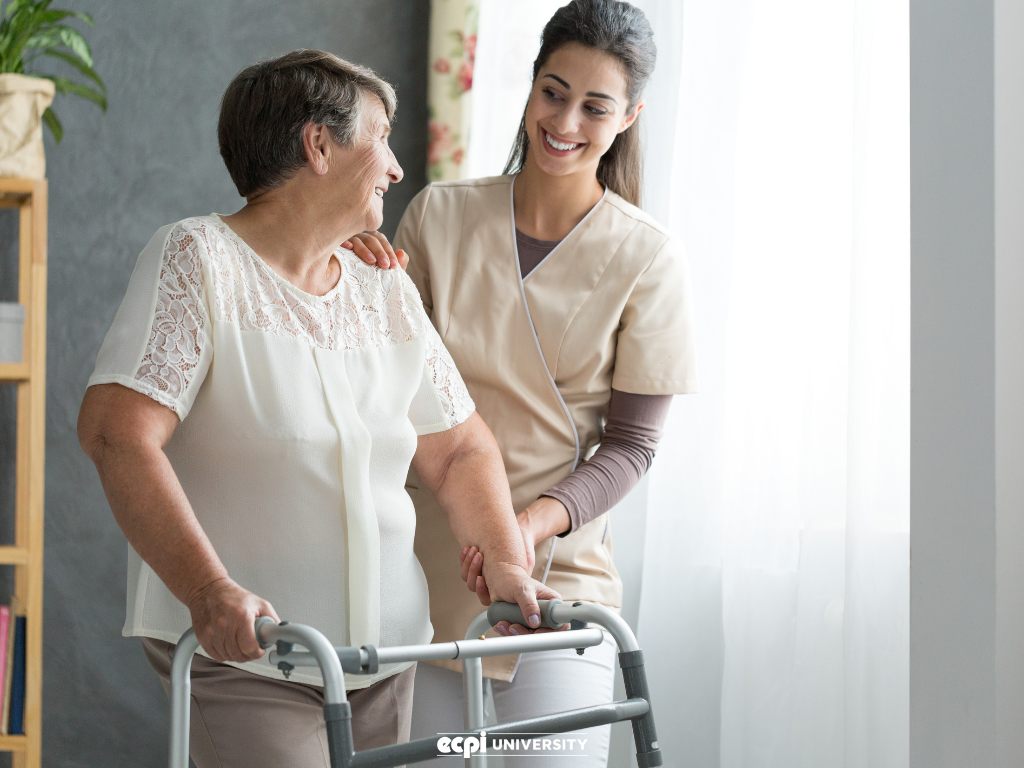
pixel 545 683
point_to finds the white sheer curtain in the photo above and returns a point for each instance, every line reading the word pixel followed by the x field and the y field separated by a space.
pixel 774 598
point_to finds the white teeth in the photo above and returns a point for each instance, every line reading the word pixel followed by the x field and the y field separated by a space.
pixel 378 191
pixel 561 146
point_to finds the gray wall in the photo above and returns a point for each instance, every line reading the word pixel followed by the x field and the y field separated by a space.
pixel 953 363
pixel 150 160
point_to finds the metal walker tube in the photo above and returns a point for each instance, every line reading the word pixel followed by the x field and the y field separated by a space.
pixel 335 662
pixel 337 711
pixel 554 614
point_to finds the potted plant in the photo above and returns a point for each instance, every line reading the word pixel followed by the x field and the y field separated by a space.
pixel 30 29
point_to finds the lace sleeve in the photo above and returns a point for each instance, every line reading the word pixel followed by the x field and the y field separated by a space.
pixel 443 401
pixel 451 389
pixel 178 344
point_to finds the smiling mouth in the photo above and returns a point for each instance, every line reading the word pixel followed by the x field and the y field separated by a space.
pixel 559 146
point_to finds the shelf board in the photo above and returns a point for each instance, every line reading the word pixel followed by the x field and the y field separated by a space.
pixel 13 556
pixel 13 743
pixel 15 193
pixel 14 372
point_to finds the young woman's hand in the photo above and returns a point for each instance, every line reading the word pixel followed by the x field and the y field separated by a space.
pixel 472 561
pixel 374 249
pixel 472 567
pixel 545 518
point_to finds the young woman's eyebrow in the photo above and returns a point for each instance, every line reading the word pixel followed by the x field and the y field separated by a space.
pixel 556 78
pixel 591 94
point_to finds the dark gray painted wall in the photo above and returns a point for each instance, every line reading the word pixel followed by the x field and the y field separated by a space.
pixel 150 160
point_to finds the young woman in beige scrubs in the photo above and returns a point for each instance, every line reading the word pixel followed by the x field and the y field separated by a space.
pixel 567 311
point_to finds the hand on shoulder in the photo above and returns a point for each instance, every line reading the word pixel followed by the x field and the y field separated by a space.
pixel 375 250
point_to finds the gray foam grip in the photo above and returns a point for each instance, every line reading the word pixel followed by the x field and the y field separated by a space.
pixel 511 613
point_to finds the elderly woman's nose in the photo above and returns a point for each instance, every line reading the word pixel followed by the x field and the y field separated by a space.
pixel 395 172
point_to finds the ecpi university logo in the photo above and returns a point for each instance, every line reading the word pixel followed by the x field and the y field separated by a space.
pixel 513 743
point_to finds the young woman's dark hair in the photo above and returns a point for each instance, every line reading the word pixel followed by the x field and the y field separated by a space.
pixel 618 29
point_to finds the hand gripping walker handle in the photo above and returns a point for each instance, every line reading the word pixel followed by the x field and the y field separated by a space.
pixel 631 661
pixel 337 712
pixel 513 614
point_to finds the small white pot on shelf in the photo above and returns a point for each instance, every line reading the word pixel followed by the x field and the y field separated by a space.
pixel 23 100
pixel 12 332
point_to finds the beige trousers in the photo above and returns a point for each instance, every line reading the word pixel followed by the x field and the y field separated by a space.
pixel 244 720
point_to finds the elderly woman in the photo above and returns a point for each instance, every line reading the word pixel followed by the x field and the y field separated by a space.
pixel 254 412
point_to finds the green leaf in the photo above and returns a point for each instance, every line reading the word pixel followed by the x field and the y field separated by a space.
pixel 58 35
pixel 50 17
pixel 13 6
pixel 64 85
pixel 81 66
pixel 53 124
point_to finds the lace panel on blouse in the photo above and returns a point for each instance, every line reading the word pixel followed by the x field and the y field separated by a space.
pixel 369 308
pixel 451 389
pixel 179 322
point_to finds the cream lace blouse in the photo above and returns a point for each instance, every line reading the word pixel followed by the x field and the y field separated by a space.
pixel 299 417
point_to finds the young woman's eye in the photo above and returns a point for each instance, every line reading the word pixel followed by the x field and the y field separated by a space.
pixel 551 94
pixel 597 111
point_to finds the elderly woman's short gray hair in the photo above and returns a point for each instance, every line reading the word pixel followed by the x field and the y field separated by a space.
pixel 268 104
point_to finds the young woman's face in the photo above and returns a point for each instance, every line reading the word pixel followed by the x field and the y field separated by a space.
pixel 576 109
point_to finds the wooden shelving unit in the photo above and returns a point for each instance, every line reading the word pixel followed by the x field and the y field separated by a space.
pixel 26 555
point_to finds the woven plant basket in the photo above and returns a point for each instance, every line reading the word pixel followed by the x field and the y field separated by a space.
pixel 23 100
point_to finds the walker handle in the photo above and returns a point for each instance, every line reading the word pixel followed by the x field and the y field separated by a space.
pixel 513 614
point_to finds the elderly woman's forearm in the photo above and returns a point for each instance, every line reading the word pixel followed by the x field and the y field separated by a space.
pixel 124 432
pixel 151 508
pixel 479 506
pixel 464 470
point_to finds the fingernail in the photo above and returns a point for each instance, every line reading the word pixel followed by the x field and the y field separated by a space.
pixel 464 551
pixel 513 630
pixel 534 620
pixel 477 557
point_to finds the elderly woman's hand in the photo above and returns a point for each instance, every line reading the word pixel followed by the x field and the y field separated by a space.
pixel 374 249
pixel 224 617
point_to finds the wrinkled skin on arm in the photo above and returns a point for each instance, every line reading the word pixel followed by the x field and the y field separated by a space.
pixel 124 433
pixel 463 468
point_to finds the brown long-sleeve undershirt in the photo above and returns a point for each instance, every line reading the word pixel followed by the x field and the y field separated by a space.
pixel 632 431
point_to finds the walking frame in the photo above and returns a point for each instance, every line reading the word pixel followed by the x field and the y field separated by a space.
pixel 334 662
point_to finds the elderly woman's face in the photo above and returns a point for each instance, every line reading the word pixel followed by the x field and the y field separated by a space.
pixel 368 166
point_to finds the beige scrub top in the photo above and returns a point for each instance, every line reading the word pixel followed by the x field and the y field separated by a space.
pixel 609 307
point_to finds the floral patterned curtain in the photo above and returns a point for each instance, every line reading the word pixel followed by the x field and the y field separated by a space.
pixel 452 52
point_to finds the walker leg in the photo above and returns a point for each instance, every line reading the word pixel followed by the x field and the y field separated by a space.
pixel 181 698
pixel 644 734
pixel 338 718
pixel 473 680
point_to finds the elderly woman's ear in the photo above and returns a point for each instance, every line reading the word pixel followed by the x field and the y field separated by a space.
pixel 374 249
pixel 316 141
